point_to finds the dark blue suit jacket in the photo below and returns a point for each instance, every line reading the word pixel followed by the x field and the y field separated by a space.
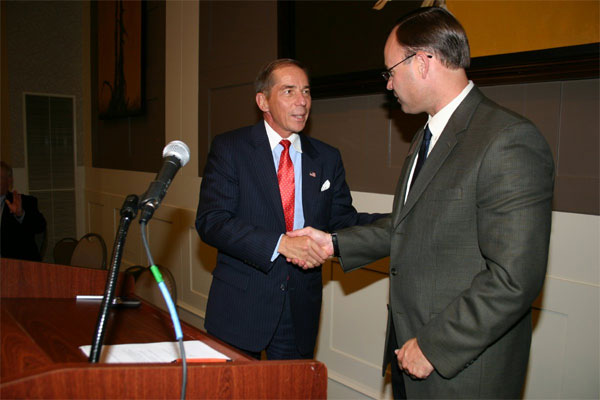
pixel 17 239
pixel 240 214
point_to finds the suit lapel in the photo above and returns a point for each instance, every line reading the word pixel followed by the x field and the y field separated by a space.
pixel 457 124
pixel 436 158
pixel 262 161
pixel 312 176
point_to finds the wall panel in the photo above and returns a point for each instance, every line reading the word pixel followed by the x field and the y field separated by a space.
pixel 566 114
pixel 100 218
pixel 236 39
pixel 565 339
pixel 354 309
pixel 222 100
pixel 197 262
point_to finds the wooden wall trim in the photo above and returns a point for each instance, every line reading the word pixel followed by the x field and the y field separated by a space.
pixel 558 64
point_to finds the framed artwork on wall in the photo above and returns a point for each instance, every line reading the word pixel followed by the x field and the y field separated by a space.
pixel 120 89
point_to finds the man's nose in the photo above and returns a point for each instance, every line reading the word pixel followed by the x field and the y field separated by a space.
pixel 389 85
pixel 302 99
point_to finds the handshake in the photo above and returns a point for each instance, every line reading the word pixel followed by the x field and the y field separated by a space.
pixel 306 247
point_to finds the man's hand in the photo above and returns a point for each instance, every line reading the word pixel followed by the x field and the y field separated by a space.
pixel 412 360
pixel 322 239
pixel 303 249
pixel 16 207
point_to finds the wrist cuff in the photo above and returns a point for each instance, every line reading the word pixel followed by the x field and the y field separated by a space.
pixel 334 241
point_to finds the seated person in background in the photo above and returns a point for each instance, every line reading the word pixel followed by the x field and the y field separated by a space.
pixel 20 221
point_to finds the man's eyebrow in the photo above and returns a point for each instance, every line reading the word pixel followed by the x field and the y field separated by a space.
pixel 294 87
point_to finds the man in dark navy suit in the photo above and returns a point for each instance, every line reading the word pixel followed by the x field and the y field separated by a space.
pixel 260 182
pixel 21 220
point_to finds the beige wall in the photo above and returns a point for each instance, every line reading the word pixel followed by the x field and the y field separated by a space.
pixel 4 126
pixel 564 360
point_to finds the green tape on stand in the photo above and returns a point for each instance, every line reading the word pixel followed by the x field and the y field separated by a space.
pixel 156 273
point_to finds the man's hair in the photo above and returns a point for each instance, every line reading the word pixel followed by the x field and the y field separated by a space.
pixel 264 80
pixel 7 168
pixel 435 30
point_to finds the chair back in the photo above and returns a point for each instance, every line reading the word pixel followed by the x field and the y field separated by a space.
pixel 90 252
pixel 63 250
pixel 147 288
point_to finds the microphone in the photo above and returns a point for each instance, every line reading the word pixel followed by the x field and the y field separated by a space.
pixel 176 154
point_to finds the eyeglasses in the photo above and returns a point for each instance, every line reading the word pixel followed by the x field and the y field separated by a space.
pixel 389 73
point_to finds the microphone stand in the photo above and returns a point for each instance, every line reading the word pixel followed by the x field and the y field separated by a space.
pixel 128 213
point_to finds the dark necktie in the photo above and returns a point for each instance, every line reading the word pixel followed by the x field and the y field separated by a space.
pixel 285 176
pixel 422 155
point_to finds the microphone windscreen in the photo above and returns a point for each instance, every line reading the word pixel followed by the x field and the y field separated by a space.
pixel 177 149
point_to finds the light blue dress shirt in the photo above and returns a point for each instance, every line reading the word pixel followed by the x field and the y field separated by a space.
pixel 296 156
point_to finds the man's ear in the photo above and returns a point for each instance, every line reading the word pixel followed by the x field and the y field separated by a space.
pixel 261 101
pixel 423 63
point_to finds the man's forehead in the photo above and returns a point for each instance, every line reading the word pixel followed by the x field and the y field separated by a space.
pixel 290 85
pixel 393 50
pixel 288 73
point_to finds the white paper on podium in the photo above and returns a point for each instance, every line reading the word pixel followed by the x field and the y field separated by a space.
pixel 161 352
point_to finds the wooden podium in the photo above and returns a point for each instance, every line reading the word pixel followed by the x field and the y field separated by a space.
pixel 42 327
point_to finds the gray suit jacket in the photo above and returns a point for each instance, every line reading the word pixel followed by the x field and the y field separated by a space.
pixel 468 251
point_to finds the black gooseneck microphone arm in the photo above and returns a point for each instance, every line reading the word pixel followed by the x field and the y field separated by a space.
pixel 175 154
pixel 128 213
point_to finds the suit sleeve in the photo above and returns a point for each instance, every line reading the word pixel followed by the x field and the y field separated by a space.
pixel 362 237
pixel 216 218
pixel 362 245
pixel 514 206
pixel 343 213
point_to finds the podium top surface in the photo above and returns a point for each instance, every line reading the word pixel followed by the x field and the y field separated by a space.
pixel 43 325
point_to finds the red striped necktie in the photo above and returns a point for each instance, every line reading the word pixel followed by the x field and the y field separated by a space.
pixel 285 176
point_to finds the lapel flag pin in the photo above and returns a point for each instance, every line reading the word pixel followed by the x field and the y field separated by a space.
pixel 313 174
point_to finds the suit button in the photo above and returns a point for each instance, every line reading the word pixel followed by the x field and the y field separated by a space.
pixel 282 287
pixel 393 271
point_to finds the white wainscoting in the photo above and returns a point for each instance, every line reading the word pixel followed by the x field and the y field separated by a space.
pixel 353 325
pixel 174 244
pixel 565 352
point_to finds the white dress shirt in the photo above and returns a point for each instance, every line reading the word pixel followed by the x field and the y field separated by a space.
pixel 438 122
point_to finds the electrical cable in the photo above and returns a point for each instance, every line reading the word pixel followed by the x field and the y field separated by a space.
pixel 172 310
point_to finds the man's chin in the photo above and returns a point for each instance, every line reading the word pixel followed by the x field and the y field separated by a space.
pixel 299 127
pixel 406 110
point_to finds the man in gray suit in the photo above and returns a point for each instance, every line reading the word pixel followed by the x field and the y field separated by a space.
pixel 469 232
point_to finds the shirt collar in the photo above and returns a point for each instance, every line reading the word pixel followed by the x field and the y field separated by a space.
pixel 274 138
pixel 438 122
